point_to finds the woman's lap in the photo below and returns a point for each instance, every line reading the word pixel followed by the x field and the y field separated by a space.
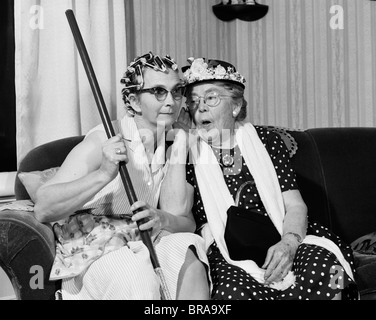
pixel 127 273
pixel 318 273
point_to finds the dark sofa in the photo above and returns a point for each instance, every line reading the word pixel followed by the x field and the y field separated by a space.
pixel 336 172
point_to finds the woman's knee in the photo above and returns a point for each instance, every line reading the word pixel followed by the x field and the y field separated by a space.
pixel 193 280
pixel 123 275
pixel 193 261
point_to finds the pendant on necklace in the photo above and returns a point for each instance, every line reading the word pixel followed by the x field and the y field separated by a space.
pixel 227 160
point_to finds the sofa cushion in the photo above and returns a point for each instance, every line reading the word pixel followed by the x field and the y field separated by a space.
pixel 35 179
pixel 336 174
pixel 49 155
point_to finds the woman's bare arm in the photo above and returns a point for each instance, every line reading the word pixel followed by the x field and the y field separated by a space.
pixel 87 169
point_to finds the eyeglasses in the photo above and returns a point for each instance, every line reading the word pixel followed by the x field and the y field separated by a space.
pixel 212 99
pixel 161 93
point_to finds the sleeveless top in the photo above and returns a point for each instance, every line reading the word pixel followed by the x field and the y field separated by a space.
pixel 146 178
pixel 100 227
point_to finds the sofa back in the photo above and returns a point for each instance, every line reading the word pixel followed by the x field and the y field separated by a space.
pixel 336 173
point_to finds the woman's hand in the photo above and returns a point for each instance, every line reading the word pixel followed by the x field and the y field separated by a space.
pixel 280 257
pixel 153 217
pixel 279 260
pixel 114 151
pixel 184 121
pixel 181 137
pixel 182 126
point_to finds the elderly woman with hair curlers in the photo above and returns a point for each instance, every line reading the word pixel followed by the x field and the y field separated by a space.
pixel 99 251
pixel 247 203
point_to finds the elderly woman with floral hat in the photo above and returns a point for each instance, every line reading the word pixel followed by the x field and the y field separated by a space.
pixel 247 204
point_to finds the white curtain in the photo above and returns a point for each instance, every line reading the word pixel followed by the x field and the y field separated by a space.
pixel 54 98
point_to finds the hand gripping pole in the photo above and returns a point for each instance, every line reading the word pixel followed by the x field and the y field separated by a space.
pixel 145 236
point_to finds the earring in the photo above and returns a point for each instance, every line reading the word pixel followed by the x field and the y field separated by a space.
pixel 235 114
pixel 133 112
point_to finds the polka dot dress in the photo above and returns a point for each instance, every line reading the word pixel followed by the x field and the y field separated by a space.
pixel 318 273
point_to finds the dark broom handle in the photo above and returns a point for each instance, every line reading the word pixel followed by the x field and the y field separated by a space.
pixel 145 236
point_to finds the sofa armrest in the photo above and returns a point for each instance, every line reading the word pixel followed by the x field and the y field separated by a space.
pixel 27 251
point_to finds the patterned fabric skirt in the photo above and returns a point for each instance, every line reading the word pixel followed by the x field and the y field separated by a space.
pixel 127 273
pixel 319 275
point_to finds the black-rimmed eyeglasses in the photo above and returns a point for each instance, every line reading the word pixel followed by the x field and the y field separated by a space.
pixel 161 93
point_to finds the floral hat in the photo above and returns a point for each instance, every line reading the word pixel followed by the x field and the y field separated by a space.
pixel 201 70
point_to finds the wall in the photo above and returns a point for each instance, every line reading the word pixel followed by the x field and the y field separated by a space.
pixel 301 73
pixel 8 160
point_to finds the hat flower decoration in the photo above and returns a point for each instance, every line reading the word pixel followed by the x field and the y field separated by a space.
pixel 202 70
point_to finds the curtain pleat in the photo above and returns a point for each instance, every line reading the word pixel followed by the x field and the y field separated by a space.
pixel 54 98
pixel 301 73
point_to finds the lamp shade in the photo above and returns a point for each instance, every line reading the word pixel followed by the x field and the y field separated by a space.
pixel 245 12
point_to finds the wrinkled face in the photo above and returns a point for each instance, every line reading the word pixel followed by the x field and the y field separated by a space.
pixel 156 113
pixel 217 121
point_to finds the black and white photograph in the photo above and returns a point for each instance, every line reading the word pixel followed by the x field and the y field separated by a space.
pixel 189 154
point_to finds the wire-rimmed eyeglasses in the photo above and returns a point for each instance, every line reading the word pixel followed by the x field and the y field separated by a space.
pixel 161 93
pixel 211 99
